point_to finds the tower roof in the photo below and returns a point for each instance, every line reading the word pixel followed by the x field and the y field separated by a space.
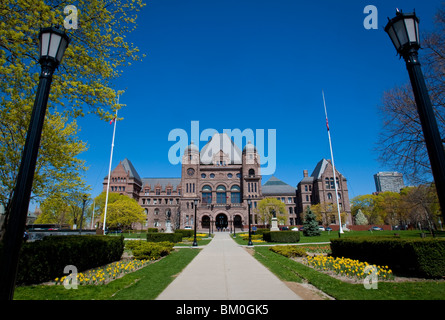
pixel 129 168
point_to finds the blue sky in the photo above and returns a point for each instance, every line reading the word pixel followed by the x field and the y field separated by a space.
pixel 256 64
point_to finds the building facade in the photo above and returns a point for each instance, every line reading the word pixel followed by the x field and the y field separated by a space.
pixel 320 188
pixel 389 181
pixel 216 182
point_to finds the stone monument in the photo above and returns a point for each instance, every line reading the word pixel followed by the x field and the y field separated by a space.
pixel 274 222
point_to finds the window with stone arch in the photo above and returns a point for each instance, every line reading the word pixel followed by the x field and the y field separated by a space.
pixel 207 194
pixel 235 194
pixel 221 195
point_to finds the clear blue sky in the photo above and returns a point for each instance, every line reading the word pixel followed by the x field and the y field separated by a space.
pixel 258 64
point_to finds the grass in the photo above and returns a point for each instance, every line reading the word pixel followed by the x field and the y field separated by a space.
pixel 144 284
pixel 290 270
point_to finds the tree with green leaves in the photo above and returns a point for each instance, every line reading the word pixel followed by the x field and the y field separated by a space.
pixel 310 225
pixel 122 211
pixel 265 210
pixel 83 84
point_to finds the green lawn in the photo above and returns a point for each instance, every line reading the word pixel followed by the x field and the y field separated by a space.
pixel 144 284
pixel 290 270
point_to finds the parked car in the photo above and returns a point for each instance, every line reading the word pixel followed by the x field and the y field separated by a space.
pixel 376 229
pixel 188 228
pixel 328 229
pixel 284 228
pixel 321 228
pixel 295 229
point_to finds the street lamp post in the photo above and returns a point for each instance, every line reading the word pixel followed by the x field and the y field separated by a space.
pixel 52 45
pixel 84 199
pixel 404 33
pixel 195 243
pixel 249 204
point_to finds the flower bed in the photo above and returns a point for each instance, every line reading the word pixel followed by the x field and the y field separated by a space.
pixel 347 267
pixel 107 273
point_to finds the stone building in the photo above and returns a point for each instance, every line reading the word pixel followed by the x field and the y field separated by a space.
pixel 319 188
pixel 220 178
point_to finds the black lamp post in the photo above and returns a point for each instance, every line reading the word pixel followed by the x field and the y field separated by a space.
pixel 52 45
pixel 195 243
pixel 249 204
pixel 84 199
pixel 404 33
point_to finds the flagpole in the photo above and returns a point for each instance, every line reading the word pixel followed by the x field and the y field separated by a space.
pixel 333 165
pixel 109 170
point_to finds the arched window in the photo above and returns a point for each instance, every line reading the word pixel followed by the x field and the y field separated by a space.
pixel 329 196
pixel 328 185
pixel 332 183
pixel 251 172
pixel 206 194
pixel 339 195
pixel 221 194
pixel 235 194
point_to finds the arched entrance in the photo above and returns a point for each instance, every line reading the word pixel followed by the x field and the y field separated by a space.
pixel 221 221
pixel 205 222
pixel 237 221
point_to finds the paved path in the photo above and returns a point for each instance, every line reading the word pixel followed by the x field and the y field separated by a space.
pixel 223 270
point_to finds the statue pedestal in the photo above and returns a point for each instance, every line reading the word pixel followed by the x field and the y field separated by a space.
pixel 274 225
pixel 168 227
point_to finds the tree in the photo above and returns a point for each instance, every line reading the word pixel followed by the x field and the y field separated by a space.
pixel 122 211
pixel 401 143
pixel 360 218
pixel 83 84
pixel 325 212
pixel 266 207
pixel 310 225
pixel 421 205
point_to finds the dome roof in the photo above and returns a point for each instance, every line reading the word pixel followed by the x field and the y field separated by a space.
pixel 249 147
pixel 192 148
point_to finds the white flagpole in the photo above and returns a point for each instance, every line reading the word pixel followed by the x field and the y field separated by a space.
pixel 109 170
pixel 333 165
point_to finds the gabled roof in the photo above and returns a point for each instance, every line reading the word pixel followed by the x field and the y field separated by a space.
pixel 276 187
pixel 163 182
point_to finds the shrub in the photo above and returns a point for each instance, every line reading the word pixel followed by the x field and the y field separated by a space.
pixel 281 236
pixel 159 237
pixel 289 251
pixel 416 257
pixel 152 230
pixel 45 260
pixel 185 233
pixel 152 250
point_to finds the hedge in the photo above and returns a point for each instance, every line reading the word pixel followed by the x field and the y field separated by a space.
pixel 160 237
pixel 412 257
pixel 185 233
pixel 289 251
pixel 281 236
pixel 45 260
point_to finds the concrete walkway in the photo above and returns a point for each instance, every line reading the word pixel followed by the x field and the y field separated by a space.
pixel 223 270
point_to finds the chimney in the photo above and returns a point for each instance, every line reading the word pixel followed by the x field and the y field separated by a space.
pixel 305 173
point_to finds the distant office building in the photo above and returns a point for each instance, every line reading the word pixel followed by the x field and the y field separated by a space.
pixel 389 181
